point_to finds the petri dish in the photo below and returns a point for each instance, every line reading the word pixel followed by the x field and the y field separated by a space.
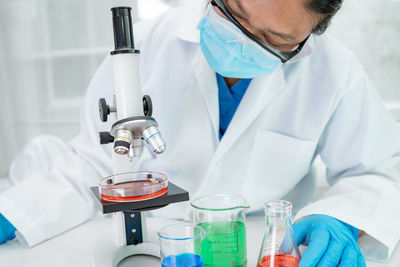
pixel 133 186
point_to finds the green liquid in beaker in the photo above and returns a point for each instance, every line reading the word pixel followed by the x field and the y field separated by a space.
pixel 225 244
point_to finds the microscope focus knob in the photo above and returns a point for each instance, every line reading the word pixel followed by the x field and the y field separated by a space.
pixel 106 138
pixel 104 110
pixel 147 106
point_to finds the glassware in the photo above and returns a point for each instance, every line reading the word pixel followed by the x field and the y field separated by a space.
pixel 177 244
pixel 222 217
pixel 279 248
pixel 133 186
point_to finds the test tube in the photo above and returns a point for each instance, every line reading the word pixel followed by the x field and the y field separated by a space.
pixel 177 245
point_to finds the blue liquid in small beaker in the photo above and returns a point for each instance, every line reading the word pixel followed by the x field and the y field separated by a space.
pixel 182 260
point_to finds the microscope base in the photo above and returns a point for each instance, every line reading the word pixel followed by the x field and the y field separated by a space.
pixel 107 254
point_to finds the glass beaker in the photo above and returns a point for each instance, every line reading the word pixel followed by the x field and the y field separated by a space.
pixel 222 217
pixel 279 248
pixel 178 243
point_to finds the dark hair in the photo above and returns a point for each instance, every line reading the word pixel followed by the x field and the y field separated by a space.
pixel 326 8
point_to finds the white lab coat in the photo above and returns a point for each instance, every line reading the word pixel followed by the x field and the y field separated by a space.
pixel 319 103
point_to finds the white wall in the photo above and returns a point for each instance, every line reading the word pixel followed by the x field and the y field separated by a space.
pixel 49 49
pixel 371 29
pixel 3 156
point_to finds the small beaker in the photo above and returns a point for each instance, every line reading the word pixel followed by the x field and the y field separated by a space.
pixel 177 245
pixel 279 248
pixel 222 217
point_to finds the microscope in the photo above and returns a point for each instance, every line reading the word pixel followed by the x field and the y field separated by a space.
pixel 133 129
pixel 134 122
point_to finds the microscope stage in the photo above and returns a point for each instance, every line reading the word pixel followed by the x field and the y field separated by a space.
pixel 173 195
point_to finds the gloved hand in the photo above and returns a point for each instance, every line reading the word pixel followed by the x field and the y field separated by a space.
pixel 330 242
pixel 7 230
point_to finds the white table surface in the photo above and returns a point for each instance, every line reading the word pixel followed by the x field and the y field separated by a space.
pixel 75 247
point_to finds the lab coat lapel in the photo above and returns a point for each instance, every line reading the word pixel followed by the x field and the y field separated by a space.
pixel 207 83
pixel 261 91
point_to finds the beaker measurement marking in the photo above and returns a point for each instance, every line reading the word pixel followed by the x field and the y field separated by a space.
pixel 225 244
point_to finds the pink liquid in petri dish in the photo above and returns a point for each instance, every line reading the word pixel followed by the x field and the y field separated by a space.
pixel 133 191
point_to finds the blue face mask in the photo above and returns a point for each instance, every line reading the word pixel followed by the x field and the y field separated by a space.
pixel 229 52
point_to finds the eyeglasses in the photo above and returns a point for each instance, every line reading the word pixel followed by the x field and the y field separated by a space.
pixel 284 56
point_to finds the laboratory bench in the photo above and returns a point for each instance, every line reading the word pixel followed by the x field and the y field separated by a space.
pixel 76 247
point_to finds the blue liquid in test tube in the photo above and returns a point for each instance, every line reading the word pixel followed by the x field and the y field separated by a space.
pixel 182 260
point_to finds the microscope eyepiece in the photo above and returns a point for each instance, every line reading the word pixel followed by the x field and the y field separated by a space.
pixel 123 31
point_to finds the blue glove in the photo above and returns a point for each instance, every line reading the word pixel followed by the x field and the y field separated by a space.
pixel 7 230
pixel 330 242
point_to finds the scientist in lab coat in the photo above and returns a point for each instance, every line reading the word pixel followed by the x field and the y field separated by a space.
pixel 247 95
